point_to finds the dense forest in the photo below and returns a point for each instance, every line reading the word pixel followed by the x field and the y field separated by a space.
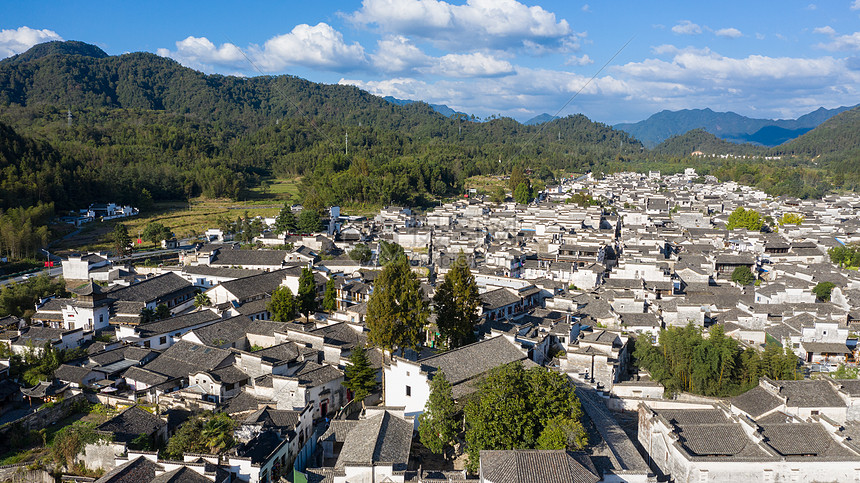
pixel 79 126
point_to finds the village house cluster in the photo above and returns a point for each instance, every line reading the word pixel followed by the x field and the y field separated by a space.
pixel 563 285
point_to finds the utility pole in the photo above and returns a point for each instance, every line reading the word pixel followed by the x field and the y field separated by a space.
pixel 346 143
pixel 69 117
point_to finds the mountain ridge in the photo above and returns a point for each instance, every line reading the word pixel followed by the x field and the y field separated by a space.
pixel 727 125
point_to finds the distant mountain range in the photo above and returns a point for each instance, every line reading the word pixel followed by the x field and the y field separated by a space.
pixel 440 108
pixel 726 125
pixel 540 119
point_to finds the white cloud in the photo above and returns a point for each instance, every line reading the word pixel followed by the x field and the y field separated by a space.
pixel 478 23
pixel 730 32
pixel 319 46
pixel 855 5
pixel 201 53
pixel 587 8
pixel 15 41
pixel 826 30
pixel 472 65
pixel 843 42
pixel 398 54
pixel 582 60
pixel 812 6
pixel 686 27
pixel 759 36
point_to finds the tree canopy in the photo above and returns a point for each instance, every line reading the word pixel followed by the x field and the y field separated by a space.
pixel 712 366
pixel 743 275
pixel 457 302
pixel 438 425
pixel 743 218
pixel 397 312
pixel 519 408
pixel 306 299
pixel 282 305
pixel 360 376
pixel 389 252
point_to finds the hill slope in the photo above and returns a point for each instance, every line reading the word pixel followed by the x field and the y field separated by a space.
pixel 145 127
pixel 701 140
pixel 725 125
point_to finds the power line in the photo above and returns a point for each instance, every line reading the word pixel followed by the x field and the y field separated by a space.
pixel 280 91
pixel 575 94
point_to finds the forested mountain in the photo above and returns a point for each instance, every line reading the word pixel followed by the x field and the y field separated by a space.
pixel 725 125
pixel 701 140
pixel 143 126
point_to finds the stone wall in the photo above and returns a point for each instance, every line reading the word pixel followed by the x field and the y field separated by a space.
pixel 20 474
pixel 43 418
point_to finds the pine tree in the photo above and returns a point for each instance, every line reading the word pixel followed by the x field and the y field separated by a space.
pixel 286 220
pixel 389 252
pixel 307 297
pixel 397 312
pixel 121 240
pixel 283 305
pixel 329 300
pixel 457 305
pixel 437 424
pixel 360 376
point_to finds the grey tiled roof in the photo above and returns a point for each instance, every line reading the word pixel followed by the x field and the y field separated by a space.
pixel 135 471
pixel 238 257
pixel 498 298
pixel 810 393
pixel 279 418
pixel 152 289
pixel 756 402
pixel 383 438
pixel 801 439
pixel 184 358
pixel 183 474
pixel 258 285
pixel 176 323
pixel 472 360
pixel 131 423
pixel 537 466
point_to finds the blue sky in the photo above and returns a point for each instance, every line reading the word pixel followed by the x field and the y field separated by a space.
pixel 773 59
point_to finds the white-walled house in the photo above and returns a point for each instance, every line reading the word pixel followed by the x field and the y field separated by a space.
pixel 407 383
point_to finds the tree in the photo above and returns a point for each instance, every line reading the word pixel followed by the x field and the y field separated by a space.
pixel 360 376
pixel 523 193
pixel 742 275
pixel 519 408
pixel 437 425
pixel 361 253
pixel 282 306
pixel 517 177
pixel 498 195
pixel 330 298
pixel 286 220
pixel 306 299
pixel 202 300
pixel 823 290
pixel 748 219
pixel 205 433
pixel 397 312
pixel 121 240
pixel 147 315
pixel 309 221
pixel 162 312
pixel 155 232
pixel 791 219
pixel 457 303
pixel 389 252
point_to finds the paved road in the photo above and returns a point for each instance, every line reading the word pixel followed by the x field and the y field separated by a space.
pixel 52 272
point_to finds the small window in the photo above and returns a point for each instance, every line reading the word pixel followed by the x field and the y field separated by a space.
pixel 407 373
pixel 408 391
pixel 162 339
